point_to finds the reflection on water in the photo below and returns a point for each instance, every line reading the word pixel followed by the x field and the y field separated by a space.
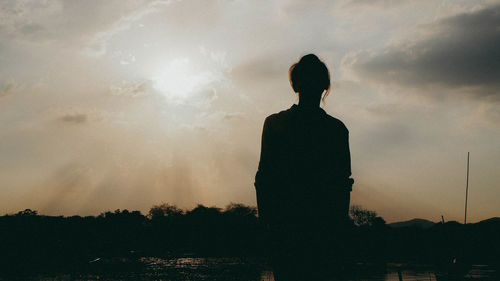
pixel 247 269
pixel 391 274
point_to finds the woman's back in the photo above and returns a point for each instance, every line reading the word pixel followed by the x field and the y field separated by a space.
pixel 305 164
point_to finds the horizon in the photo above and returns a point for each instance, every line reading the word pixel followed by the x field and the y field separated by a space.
pixel 220 209
pixel 164 101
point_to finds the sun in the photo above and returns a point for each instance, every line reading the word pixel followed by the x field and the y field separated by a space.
pixel 180 79
pixel 176 80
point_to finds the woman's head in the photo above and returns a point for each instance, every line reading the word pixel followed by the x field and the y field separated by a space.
pixel 310 77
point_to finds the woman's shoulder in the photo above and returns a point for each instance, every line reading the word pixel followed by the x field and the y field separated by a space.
pixel 336 123
pixel 279 117
pixel 287 115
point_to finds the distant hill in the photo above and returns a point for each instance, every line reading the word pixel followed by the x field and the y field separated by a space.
pixel 421 223
pixel 491 220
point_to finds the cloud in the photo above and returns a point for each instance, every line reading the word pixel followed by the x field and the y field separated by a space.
pixel 71 114
pixel 233 116
pixel 457 52
pixel 8 88
pixel 23 18
pixel 74 118
pixel 130 88
pixel 99 43
pixel 262 68
pixel 381 3
pixel 67 22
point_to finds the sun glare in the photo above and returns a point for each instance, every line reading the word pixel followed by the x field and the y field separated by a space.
pixel 180 79
pixel 176 80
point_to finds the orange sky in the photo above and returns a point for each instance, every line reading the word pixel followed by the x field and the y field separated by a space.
pixel 127 104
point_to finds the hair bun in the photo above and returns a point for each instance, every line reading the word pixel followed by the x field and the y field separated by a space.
pixel 309 75
pixel 309 58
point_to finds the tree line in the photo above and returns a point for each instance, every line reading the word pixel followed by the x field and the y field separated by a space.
pixel 33 242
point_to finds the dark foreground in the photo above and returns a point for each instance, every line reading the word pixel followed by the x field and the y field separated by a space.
pixel 125 245
pixel 244 269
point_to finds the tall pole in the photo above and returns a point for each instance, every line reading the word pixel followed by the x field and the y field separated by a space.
pixel 467 188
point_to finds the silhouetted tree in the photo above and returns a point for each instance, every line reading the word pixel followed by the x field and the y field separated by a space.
pixel 201 210
pixel 240 210
pixel 365 217
pixel 27 212
pixel 164 210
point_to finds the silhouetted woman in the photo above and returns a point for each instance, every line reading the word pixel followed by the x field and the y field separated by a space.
pixel 303 181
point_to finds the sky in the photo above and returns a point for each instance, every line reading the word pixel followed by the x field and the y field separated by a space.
pixel 126 104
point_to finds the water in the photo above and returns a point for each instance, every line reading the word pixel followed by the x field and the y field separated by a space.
pixel 244 269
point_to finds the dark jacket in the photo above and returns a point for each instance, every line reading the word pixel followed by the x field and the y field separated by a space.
pixel 305 167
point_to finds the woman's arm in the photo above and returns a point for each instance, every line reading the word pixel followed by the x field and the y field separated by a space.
pixel 264 177
pixel 346 159
pixel 347 181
